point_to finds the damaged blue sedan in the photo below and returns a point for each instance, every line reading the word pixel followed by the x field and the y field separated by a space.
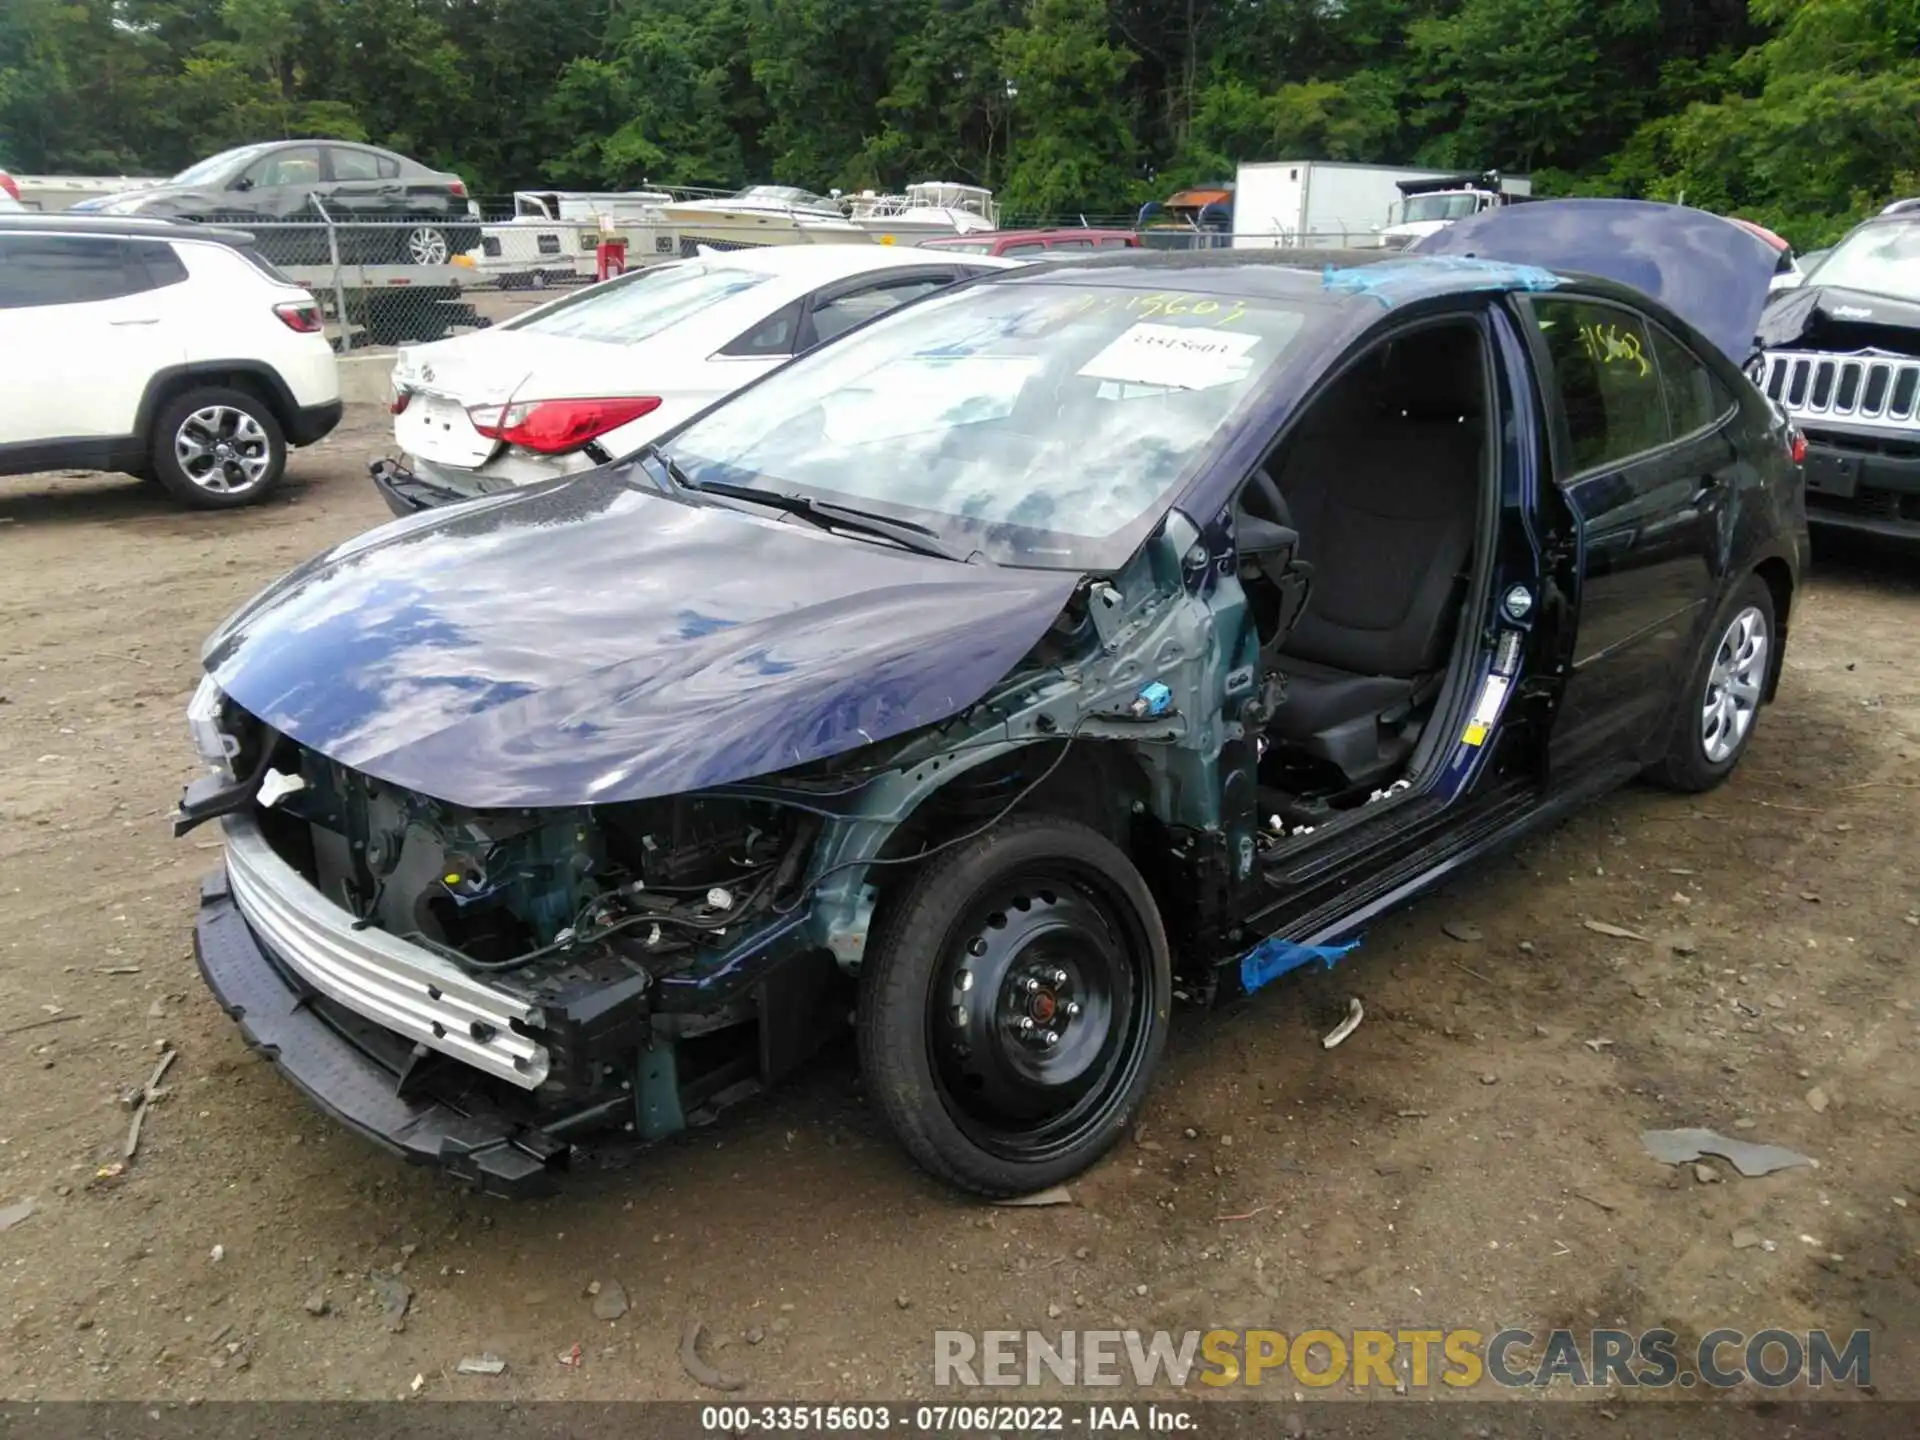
pixel 1077 636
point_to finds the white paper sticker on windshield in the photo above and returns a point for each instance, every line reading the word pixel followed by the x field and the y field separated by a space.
pixel 1175 357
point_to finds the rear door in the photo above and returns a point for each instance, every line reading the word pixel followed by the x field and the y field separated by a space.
pixel 89 315
pixel 362 185
pixel 1647 504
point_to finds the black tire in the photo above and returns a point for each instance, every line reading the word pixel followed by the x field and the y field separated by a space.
pixel 254 459
pixel 950 958
pixel 1692 763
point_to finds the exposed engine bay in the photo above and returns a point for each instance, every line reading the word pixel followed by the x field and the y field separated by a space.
pixel 503 891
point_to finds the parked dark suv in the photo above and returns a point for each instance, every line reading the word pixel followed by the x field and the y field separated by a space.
pixel 395 211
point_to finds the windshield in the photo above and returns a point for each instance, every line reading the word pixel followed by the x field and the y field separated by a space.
pixel 214 166
pixel 1456 206
pixel 1879 259
pixel 1042 424
pixel 639 304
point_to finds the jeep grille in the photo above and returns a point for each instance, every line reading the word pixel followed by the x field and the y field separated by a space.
pixel 1870 387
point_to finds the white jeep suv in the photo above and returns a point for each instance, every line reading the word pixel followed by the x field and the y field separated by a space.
pixel 172 352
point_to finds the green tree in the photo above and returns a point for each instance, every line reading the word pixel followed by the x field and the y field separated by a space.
pixel 1525 83
pixel 946 109
pixel 675 104
pixel 1824 127
pixel 1073 149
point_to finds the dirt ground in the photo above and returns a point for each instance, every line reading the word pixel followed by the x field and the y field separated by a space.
pixel 1469 1157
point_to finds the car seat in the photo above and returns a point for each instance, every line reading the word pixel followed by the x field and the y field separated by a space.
pixel 1385 500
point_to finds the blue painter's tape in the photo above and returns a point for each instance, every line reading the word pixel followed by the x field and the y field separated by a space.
pixel 1391 280
pixel 1271 959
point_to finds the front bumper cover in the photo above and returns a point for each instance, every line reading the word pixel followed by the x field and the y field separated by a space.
pixel 311 1043
pixel 1864 485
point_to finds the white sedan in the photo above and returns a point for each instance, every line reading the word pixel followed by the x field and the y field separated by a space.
pixel 598 373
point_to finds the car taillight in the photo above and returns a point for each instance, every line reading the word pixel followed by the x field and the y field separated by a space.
pixel 457 188
pixel 300 316
pixel 553 427
pixel 401 399
pixel 9 184
pixel 1797 447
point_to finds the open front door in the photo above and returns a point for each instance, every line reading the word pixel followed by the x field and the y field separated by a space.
pixel 1415 715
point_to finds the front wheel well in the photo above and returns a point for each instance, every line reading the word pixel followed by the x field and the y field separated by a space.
pixel 1100 785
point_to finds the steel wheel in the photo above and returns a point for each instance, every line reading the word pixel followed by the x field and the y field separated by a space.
pixel 223 450
pixel 1734 684
pixel 1036 1015
pixel 427 246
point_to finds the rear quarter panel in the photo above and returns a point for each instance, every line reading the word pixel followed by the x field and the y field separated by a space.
pixel 240 323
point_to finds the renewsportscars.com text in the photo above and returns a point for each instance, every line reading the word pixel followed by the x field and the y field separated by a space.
pixel 1417 1359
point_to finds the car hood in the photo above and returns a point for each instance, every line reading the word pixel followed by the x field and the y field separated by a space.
pixel 589 641
pixel 1710 272
pixel 1809 311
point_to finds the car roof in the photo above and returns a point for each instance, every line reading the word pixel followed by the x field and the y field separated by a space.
pixel 830 261
pixel 1288 273
pixel 131 227
pixel 1002 237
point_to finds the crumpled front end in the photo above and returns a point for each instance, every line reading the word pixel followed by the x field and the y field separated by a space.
pixel 490 990
pixel 499 986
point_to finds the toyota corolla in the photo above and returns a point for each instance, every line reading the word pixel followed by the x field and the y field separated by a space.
pixel 1077 636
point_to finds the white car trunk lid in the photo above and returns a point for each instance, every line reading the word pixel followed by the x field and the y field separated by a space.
pixel 447 380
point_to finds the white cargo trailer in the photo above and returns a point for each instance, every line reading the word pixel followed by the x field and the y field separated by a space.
pixel 1316 202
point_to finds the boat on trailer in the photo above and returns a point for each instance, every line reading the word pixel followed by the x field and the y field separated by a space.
pixel 933 208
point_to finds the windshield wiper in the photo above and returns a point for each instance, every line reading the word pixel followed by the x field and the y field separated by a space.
pixel 830 516
pixel 676 477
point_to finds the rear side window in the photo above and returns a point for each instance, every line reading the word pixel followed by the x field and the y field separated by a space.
pixel 1115 242
pixel 641 304
pixel 1071 245
pixel 1024 247
pixel 1695 399
pixel 1607 380
pixel 355 165
pixel 773 336
pixel 38 270
pixel 832 318
pixel 162 265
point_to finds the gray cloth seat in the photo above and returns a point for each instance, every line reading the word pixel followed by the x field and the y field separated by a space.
pixel 1384 496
